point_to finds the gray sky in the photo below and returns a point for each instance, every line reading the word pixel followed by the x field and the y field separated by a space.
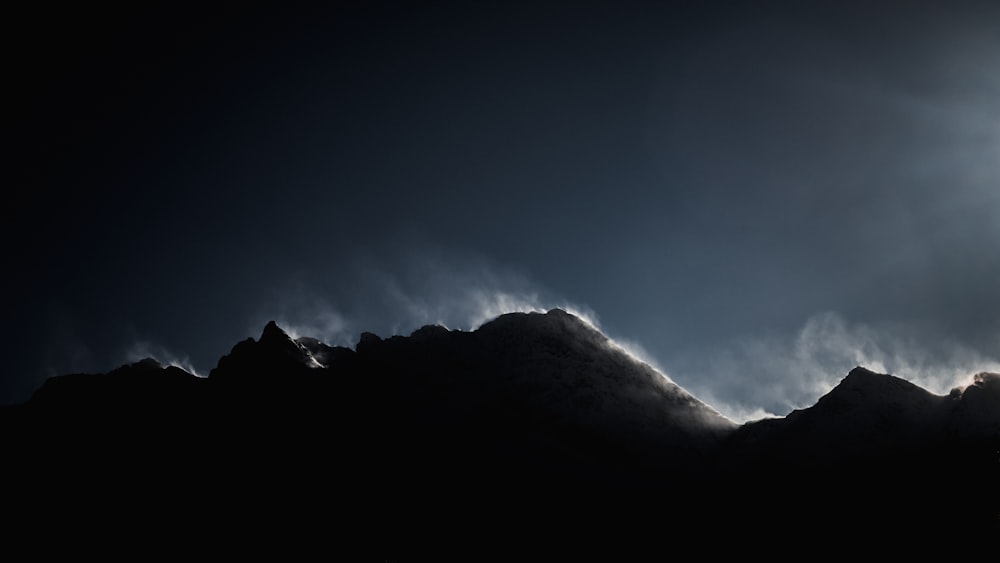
pixel 760 197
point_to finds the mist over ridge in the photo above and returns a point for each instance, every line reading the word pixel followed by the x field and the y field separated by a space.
pixel 529 409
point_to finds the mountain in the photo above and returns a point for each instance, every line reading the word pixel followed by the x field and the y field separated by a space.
pixel 538 415
pixel 883 443
pixel 259 360
pixel 865 414
pixel 871 415
pixel 545 379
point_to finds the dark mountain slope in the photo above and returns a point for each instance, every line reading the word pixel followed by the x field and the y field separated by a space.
pixel 878 442
pixel 866 414
pixel 529 402
pixel 537 415
pixel 528 406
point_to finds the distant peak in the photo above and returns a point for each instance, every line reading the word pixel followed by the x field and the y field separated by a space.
pixel 273 332
pixel 275 352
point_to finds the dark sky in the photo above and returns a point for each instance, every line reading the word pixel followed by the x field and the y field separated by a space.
pixel 755 196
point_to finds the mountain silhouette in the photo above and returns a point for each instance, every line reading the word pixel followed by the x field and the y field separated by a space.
pixel 538 415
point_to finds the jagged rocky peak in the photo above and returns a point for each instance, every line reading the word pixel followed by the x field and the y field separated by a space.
pixel 273 333
pixel 276 338
pixel 273 352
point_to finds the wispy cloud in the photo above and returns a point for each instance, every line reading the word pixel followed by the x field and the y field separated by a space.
pixel 142 350
pixel 391 293
pixel 321 321
pixel 450 289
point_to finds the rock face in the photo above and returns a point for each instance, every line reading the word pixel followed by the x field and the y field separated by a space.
pixel 536 413
pixel 260 360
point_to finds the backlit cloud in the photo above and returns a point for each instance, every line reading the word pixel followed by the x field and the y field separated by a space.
pixel 142 350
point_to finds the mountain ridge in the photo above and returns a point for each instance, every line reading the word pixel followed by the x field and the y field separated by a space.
pixel 529 406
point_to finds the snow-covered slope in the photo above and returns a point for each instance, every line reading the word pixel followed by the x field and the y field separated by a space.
pixel 544 388
pixel 564 365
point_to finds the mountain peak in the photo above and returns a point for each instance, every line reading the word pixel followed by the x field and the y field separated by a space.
pixel 556 319
pixel 564 365
pixel 276 351
pixel 862 385
pixel 274 338
pixel 272 332
pixel 883 408
pixel 864 379
pixel 861 371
